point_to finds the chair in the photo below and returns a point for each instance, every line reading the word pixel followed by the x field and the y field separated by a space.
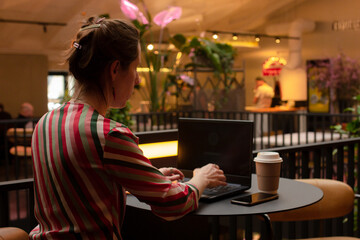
pixel 20 139
pixel 20 136
pixel 13 233
pixel 338 201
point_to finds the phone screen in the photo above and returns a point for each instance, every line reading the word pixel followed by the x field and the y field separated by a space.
pixel 254 198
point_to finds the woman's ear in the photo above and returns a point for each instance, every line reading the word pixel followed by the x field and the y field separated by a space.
pixel 114 69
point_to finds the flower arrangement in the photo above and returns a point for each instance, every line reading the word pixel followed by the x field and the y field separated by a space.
pixel 345 76
pixel 340 74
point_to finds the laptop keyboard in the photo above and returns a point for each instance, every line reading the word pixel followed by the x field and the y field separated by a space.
pixel 221 189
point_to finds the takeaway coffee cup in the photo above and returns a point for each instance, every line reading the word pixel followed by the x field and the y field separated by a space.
pixel 268 166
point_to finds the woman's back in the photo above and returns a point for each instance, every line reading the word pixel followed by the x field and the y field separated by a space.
pixel 81 162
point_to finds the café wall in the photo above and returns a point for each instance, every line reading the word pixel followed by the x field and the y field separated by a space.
pixel 23 78
pixel 321 43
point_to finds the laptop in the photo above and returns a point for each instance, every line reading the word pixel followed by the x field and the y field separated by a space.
pixel 227 143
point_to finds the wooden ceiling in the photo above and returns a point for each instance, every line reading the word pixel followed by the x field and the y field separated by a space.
pixel 197 16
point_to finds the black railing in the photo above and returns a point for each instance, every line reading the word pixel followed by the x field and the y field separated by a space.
pixel 17 204
pixel 270 130
pixel 333 160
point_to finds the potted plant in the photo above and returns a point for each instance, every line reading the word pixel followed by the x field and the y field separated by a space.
pixel 351 128
pixel 204 53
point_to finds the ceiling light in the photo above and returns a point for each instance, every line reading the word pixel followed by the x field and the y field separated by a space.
pixel 257 38
pixel 150 47
pixel 277 40
pixel 235 37
pixel 215 36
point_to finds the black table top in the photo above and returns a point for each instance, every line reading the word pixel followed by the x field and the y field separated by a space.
pixel 292 195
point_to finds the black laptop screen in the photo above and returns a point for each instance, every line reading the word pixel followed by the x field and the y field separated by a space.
pixel 227 143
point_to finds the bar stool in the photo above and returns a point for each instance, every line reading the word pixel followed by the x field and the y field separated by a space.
pixel 13 233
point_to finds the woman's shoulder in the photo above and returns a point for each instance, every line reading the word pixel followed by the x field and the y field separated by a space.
pixel 120 130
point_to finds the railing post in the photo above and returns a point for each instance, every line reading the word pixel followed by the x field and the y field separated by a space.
pixel 4 203
pixel 329 163
pixel 340 164
pixel 305 165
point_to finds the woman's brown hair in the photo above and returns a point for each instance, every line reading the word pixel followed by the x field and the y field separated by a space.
pixel 98 43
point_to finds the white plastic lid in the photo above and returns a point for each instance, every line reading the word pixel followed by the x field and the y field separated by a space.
pixel 268 157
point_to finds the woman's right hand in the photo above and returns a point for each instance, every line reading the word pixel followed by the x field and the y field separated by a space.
pixel 208 176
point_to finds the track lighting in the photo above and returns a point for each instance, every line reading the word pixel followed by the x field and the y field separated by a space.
pixel 256 36
pixel 43 24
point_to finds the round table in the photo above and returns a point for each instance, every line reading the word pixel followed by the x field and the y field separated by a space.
pixel 292 194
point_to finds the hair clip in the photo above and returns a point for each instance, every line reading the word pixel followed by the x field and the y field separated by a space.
pixel 90 27
pixel 100 20
pixel 76 45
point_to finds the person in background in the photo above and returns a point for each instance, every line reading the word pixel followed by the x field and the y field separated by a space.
pixel 26 112
pixel 84 163
pixel 263 93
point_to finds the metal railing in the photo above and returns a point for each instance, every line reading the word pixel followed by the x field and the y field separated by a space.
pixel 270 130
pixel 333 160
pixel 17 204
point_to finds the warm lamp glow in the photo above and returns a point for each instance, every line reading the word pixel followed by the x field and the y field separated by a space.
pixel 273 65
pixel 241 44
pixel 159 149
pixel 145 69
pixel 150 47
pixel 293 84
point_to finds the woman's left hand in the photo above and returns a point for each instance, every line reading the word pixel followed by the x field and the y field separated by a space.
pixel 173 174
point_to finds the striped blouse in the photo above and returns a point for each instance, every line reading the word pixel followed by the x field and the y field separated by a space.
pixel 83 163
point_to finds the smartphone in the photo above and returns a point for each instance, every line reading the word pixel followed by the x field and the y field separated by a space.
pixel 254 198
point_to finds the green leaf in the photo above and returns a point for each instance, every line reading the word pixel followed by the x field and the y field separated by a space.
pixel 194 43
pixel 349 109
pixel 178 40
pixel 357 98
pixel 336 127
pixel 215 59
pixel 334 151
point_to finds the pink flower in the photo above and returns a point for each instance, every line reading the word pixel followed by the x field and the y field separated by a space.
pixel 192 52
pixel 187 79
pixel 131 11
pixel 165 17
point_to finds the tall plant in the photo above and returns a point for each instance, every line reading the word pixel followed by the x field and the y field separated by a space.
pixel 154 60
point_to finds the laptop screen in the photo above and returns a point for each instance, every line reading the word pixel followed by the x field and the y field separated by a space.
pixel 227 143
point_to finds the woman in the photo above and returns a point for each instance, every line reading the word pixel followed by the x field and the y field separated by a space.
pixel 84 162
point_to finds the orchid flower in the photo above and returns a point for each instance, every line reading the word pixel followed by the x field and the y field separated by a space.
pixel 131 11
pixel 187 79
pixel 165 17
